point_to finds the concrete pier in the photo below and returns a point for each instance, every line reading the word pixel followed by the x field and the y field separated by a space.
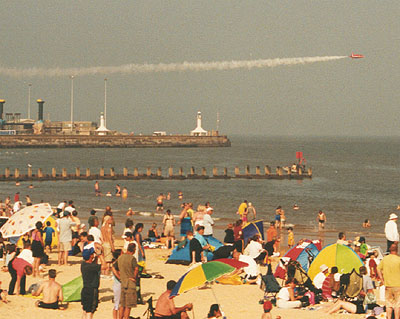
pixel 17 174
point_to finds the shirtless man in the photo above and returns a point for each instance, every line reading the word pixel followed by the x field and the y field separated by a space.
pixel 160 202
pixel 97 189
pixel 321 218
pixel 52 292
pixel 107 242
pixel 165 306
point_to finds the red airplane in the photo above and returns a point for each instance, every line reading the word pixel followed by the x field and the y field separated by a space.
pixel 356 56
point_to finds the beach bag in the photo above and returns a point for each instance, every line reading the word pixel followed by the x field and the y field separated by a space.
pixel 311 297
pixel 305 301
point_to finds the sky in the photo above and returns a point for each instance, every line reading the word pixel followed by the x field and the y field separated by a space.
pixel 342 97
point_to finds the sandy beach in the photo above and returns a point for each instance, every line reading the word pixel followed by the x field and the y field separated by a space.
pixel 236 301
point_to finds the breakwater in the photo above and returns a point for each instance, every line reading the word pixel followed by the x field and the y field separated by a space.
pixel 149 173
pixel 91 141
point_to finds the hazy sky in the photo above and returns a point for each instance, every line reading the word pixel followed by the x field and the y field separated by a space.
pixel 343 97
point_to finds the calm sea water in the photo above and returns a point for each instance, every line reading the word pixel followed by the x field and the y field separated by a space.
pixel 353 178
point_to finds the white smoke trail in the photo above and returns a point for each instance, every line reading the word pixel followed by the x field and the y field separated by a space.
pixel 162 67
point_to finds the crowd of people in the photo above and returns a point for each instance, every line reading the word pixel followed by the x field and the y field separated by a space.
pixel 94 242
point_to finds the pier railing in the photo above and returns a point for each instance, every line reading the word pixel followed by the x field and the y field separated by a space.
pixel 150 173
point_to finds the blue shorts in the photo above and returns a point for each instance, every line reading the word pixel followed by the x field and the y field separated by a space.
pixel 278 218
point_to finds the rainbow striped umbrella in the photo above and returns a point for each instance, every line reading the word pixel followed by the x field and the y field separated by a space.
pixel 206 272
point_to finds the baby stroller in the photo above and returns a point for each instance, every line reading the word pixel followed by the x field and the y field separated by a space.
pixel 270 285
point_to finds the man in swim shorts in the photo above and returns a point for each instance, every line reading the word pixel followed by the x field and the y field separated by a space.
pixel 52 292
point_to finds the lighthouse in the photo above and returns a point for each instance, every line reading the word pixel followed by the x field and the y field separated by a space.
pixel 198 131
pixel 102 130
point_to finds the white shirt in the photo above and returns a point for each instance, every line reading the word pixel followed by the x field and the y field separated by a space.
pixel 319 280
pixel 26 254
pixel 283 294
pixel 69 209
pixel 391 231
pixel 61 206
pixel 253 249
pixel 96 233
pixel 208 223
pixel 251 269
pixel 17 206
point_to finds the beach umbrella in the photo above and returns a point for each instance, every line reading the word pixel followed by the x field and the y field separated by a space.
pixel 304 253
pixel 25 219
pixel 252 228
pixel 204 273
pixel 341 256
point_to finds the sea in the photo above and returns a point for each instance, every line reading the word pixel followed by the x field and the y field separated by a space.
pixel 353 179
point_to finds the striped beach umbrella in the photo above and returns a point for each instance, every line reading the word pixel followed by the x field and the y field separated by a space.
pixel 204 273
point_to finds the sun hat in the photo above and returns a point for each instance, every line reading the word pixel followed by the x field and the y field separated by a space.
pixel 393 216
pixel 323 267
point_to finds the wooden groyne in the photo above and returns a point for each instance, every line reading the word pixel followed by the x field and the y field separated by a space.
pixel 149 173
pixel 111 141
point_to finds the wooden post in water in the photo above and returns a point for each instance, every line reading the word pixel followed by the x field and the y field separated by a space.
pixel 16 173
pixel 237 171
pixel 159 172
pixel 170 171
pixel 30 172
pixel 112 172
pixel 53 172
pixel 203 172
pixel 125 172
pixel 87 172
pixel 215 171
pixel 7 172
pixel 64 172
pixel 300 171
pixel 192 171
pixel 77 172
pixel 135 172
pixel 258 170
pixel 225 172
pixel 247 170
pixel 267 170
pixel 148 173
pixel 279 171
pixel 40 173
pixel 101 172
pixel 180 172
pixel 309 171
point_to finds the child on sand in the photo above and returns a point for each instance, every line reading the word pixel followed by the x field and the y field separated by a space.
pixel 229 235
pixel 290 237
pixel 3 294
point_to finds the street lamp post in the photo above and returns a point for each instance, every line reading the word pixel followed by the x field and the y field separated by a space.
pixel 29 100
pixel 72 102
pixel 105 102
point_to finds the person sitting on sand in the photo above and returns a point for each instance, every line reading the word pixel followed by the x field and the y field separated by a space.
pixel 251 270
pixel 52 292
pixel 320 277
pixel 165 306
pixel 286 298
pixel 342 239
pixel 330 287
pixel 352 307
pixel 215 312
pixel 3 295
pixel 153 234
